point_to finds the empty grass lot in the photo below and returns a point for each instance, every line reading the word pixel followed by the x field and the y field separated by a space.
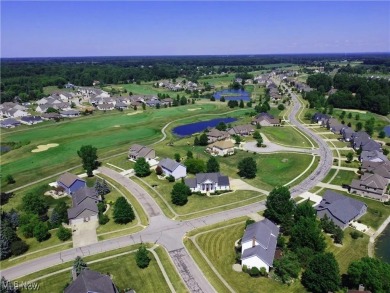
pixel 285 136
pixel 123 269
pixel 218 246
pixel 351 250
pixel 344 177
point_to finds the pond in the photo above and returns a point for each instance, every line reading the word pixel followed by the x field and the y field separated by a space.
pixel 235 95
pixel 382 245
pixel 189 129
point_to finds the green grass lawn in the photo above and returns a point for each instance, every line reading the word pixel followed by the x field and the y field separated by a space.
pixel 285 136
pixel 121 161
pixel 272 169
pixel 123 270
pixel 344 177
pixel 351 250
pixel 197 203
pixel 329 175
pixel 218 246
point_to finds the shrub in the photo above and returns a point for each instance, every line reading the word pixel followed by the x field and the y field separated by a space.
pixel 254 272
pixel 356 234
pixel 19 247
pixel 244 268
pixel 170 178
pixel 64 234
pixel 248 222
pixel 103 219
pixel 263 272
pixel 159 170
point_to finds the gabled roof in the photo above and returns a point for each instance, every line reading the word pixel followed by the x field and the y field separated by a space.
pixel 367 156
pixel 31 118
pixel 91 281
pixel 370 180
pixel 68 179
pixel 9 121
pixel 169 164
pixel 223 144
pixel 371 145
pixel 241 128
pixel 360 138
pixel 265 233
pixel 341 207
pixel 139 150
pixel 213 177
pixel 213 132
pixel 85 192
pixel 70 112
pixel 87 204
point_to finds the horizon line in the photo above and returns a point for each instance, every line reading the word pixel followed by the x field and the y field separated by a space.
pixel 197 55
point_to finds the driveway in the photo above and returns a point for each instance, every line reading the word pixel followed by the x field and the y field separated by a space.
pixel 271 147
pixel 238 184
pixel 85 233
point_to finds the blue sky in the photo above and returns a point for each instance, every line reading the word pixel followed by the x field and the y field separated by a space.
pixel 50 29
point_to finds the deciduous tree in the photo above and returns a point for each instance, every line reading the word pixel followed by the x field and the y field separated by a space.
pixel 247 168
pixel 212 165
pixel 88 155
pixel 141 167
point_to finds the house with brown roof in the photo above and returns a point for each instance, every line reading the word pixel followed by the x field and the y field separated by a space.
pixel 370 185
pixel 137 151
pixel 222 148
pixel 215 135
pixel 380 168
pixel 242 130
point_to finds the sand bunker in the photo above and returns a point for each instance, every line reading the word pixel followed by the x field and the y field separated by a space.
pixel 44 147
pixel 133 113
pixel 116 126
pixel 194 109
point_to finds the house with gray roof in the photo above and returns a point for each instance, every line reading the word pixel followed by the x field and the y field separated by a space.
pixel 208 182
pixel 70 113
pixel 90 281
pixel 9 123
pixel 259 245
pixel 70 182
pixel 340 209
pixel 371 145
pixel 84 207
pixel 137 151
pixel 172 168
pixel 370 185
pixel 347 133
pixel 373 156
pixel 266 119
pixel 359 139
pixel 320 118
pixel 334 125
pixel 380 168
pixel 105 107
pixel 242 130
pixel 31 120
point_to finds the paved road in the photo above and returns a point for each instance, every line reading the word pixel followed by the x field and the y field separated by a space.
pixel 170 233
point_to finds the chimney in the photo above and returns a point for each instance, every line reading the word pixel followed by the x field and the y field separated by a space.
pixel 361 288
pixel 253 242
pixel 74 274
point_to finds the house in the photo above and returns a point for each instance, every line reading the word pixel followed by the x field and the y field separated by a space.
pixel 347 133
pixel 371 145
pixel 320 118
pixel 373 156
pixel 340 209
pixel 71 183
pixel 121 105
pixel 42 108
pixel 48 116
pixel 70 113
pixel 223 148
pixel 242 130
pixel 333 125
pixel 30 120
pixel 214 134
pixel 359 139
pixel 16 113
pixel 105 107
pixel 84 206
pixel 370 185
pixel 137 151
pixel 361 289
pixel 9 123
pixel 380 168
pixel 173 168
pixel 259 245
pixel 90 281
pixel 265 119
pixel 208 182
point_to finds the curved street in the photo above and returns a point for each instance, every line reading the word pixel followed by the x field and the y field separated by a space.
pixel 170 233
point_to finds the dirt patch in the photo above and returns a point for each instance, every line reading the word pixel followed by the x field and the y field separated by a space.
pixel 44 147
pixel 133 113
pixel 284 160
pixel 194 109
pixel 116 126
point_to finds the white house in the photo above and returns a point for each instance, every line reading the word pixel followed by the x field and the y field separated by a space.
pixel 208 182
pixel 259 244
pixel 223 148
pixel 171 167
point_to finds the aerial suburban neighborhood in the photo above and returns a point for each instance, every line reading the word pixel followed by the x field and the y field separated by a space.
pixel 168 157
